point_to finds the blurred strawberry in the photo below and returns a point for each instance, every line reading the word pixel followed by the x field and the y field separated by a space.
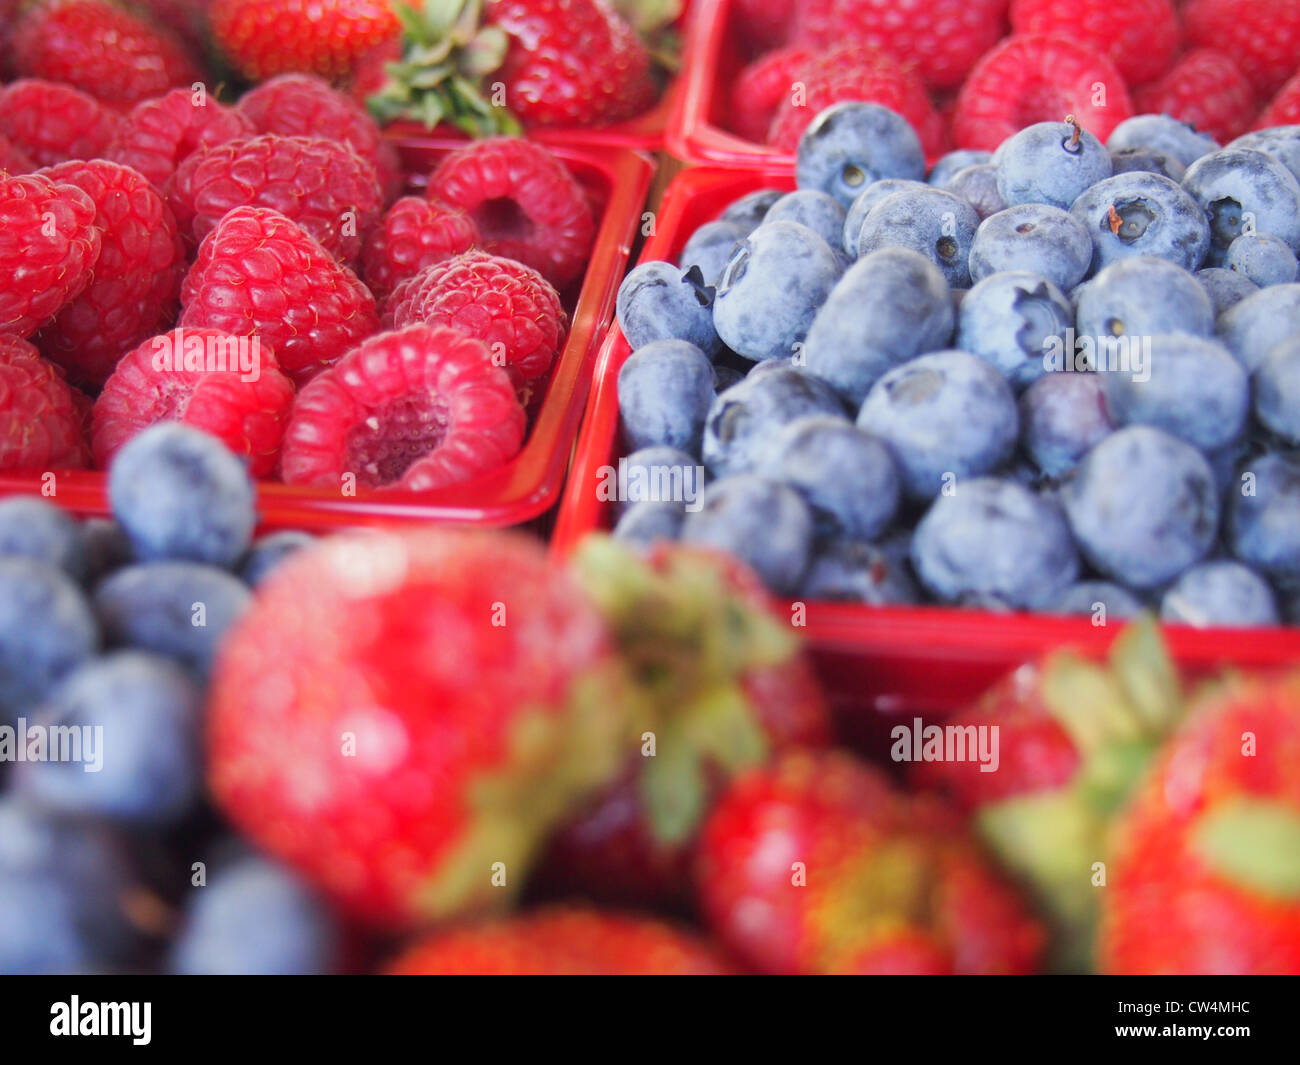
pixel 262 38
pixel 761 88
pixel 1206 89
pixel 1284 108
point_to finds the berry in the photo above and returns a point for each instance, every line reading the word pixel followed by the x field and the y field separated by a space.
pixel 1009 318
pixel 1205 89
pixel 1263 525
pixel 749 210
pixel 1283 109
pixel 659 474
pixel 1036 238
pixel 1062 417
pixel 761 87
pixel 32 528
pixel 930 221
pixel 1230 183
pixel 867 199
pixel 709 248
pixel 1257 323
pixel 324 37
pixel 417 409
pixel 413 234
pixel 1263 258
pixel 848 571
pixel 665 389
pixel 53 123
pixel 40 425
pixel 1276 385
pixel 657 301
pixel 1142 214
pixel 1149 160
pixel 818 211
pixel 645 523
pixel 1226 288
pixel 850 145
pixel 1138 297
pixel 764 24
pixel 1219 594
pixel 524 203
pixel 1139 36
pixel 1281 142
pixel 1263 34
pixel 1163 134
pixel 946 168
pixel 268 552
pixel 159 133
pixel 14 160
pixel 1050 162
pixel 978 186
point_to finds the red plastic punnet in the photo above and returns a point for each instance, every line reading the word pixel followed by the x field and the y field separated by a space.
pixel 616 181
pixel 877 662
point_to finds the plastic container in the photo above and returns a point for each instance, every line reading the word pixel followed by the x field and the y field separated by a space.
pixel 616 181
pixel 877 662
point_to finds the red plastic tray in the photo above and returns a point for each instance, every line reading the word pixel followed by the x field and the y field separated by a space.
pixel 617 181
pixel 883 660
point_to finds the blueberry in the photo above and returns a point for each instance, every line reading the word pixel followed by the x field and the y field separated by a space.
pixel 648 521
pixel 748 211
pixel 664 392
pixel 928 221
pixel 819 211
pixel 850 571
pixel 1263 258
pixel 1281 142
pixel 659 474
pixel 177 609
pixel 1138 298
pixel 1142 214
pixel 948 415
pixel 1235 183
pixel 850 145
pixel 762 522
pixel 1008 319
pixel 179 494
pixel 888 307
pixel 746 416
pixel 978 186
pixel 847 477
pixel 255 919
pixel 1226 288
pixel 269 551
pixel 1164 134
pixel 1143 506
pixel 659 302
pixel 1148 160
pixel 1193 389
pixel 1277 391
pixel 1035 238
pixel 107 547
pixel 1049 162
pixel 47 629
pixel 143 714
pixel 1255 325
pixel 1062 417
pixel 709 248
pixel 726 376
pixel 948 165
pixel 33 528
pixel 1101 599
pixel 1263 525
pixel 1220 593
pixel 994 538
pixel 865 201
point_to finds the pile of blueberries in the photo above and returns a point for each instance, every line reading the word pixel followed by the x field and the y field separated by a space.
pixel 1061 377
pixel 109 857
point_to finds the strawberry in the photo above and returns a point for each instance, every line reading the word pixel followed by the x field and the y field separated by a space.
pixel 816 865
pixel 1139 36
pixel 761 88
pixel 414 233
pixel 53 123
pixel 403 715
pixel 1205 876
pixel 40 424
pixel 566 941
pixel 158 134
pixel 1262 36
pixel 262 38
pixel 1283 109
pixel 1206 89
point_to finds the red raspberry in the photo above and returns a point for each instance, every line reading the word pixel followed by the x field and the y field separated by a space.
pixel 1262 36
pixel 136 279
pixel 1038 79
pixel 414 233
pixel 40 425
pixel 203 378
pixel 942 39
pixel 526 205
pixel 53 123
pixel 1139 36
pixel 858 72
pixel 503 303
pixel 303 105
pixel 1205 88
pixel 158 134
pixel 13 160
pixel 101 49
pixel 325 187
pixel 258 274
pixel 416 409
pixel 49 242
pixel 763 24
pixel 760 89
pixel 1284 109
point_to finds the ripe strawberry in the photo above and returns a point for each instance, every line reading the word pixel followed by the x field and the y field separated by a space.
pixel 402 715
pixel 942 39
pixel 562 942
pixel 1262 36
pixel 13 160
pixel 815 865
pixel 40 425
pixel 725 688
pixel 159 134
pixel 53 123
pixel 524 203
pixel 262 38
pixel 503 303
pixel 413 234
pixel 260 275
pixel 194 376
pixel 763 24
pixel 760 89
pixel 135 281
pixel 1037 78
pixel 858 72
pixel 49 243
pixel 1206 872
pixel 324 187
pixel 1139 36
pixel 1205 88
pixel 100 48
pixel 417 409
pixel 1284 108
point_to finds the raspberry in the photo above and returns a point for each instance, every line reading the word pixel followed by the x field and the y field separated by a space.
pixel 503 303
pixel 196 376
pixel 303 105
pixel 416 409
pixel 49 242
pixel 136 279
pixel 1205 88
pixel 40 425
pixel 763 24
pixel 858 72
pixel 1284 109
pixel 324 187
pixel 158 134
pixel 761 87
pixel 415 233
pixel 1139 36
pixel 53 123
pixel 526 205
pixel 258 274
pixel 1262 36
pixel 1038 79
pixel 13 160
